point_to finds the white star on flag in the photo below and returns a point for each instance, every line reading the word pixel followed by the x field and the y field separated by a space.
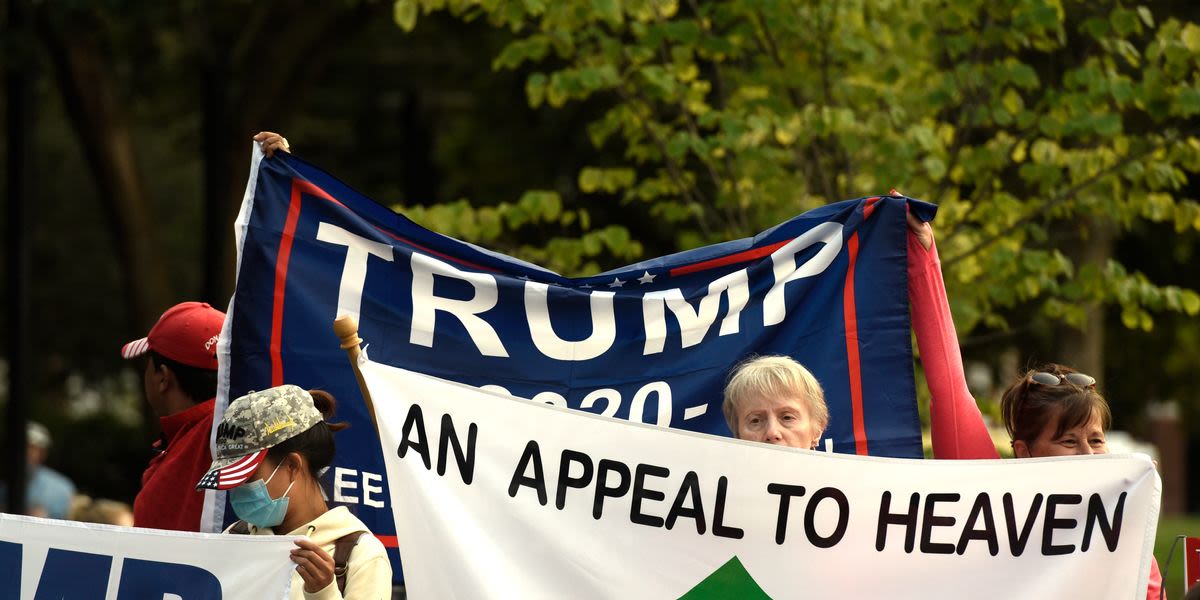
pixel 646 277
pixel 616 283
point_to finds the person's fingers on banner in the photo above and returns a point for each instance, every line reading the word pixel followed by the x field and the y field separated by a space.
pixel 923 231
pixel 314 565
pixel 271 142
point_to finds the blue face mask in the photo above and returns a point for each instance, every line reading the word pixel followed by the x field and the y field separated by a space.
pixel 253 504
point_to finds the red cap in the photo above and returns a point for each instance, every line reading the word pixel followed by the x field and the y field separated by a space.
pixel 187 334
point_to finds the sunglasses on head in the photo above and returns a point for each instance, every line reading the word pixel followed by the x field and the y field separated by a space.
pixel 1076 379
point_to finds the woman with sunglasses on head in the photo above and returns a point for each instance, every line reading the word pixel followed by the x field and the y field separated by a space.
pixel 1055 410
pixel 272 447
pixel 1052 411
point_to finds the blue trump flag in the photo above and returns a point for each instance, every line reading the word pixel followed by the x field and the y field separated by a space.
pixel 651 342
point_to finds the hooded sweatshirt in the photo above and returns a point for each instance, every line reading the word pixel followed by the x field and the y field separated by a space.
pixel 368 571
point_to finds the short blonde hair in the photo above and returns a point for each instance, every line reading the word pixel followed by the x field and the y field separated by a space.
pixel 100 510
pixel 767 376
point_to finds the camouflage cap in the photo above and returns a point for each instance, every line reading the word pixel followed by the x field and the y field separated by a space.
pixel 252 425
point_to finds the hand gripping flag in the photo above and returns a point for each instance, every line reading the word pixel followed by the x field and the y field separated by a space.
pixel 651 342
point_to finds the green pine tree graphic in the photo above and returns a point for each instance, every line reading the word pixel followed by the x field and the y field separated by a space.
pixel 728 582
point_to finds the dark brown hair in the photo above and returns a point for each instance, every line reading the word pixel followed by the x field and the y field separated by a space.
pixel 1029 407
pixel 316 442
pixel 196 383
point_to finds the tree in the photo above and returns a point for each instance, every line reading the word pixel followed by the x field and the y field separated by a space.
pixel 143 136
pixel 1043 129
pixel 255 62
pixel 76 45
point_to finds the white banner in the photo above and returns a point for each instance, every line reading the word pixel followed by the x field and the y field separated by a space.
pixel 45 558
pixel 520 500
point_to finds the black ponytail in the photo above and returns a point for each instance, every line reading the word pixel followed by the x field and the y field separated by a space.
pixel 315 444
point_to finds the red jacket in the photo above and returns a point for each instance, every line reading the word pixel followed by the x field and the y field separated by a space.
pixel 169 499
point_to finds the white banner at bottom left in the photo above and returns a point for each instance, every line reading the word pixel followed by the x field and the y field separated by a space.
pixel 47 558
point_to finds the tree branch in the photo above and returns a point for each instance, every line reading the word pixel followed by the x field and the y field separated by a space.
pixel 102 123
pixel 689 192
pixel 1058 200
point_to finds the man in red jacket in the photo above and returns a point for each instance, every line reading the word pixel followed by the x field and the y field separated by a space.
pixel 181 387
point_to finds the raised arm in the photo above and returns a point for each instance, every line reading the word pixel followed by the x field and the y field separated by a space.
pixel 958 428
pixel 271 142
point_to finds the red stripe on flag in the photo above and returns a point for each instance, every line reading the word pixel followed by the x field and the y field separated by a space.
pixel 869 207
pixel 235 474
pixel 732 259
pixel 281 268
pixel 300 186
pixel 748 255
pixel 851 318
pixel 247 464
pixel 389 541
pixel 309 188
pixel 434 252
pixel 242 462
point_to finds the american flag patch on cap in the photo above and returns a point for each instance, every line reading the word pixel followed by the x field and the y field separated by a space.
pixel 233 473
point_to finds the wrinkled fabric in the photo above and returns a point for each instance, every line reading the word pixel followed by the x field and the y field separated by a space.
pixel 168 498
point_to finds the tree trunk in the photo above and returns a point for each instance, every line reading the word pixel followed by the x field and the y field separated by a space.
pixel 103 126
pixel 254 83
pixel 1090 243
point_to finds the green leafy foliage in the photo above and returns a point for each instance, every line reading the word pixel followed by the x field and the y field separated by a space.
pixel 1033 124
